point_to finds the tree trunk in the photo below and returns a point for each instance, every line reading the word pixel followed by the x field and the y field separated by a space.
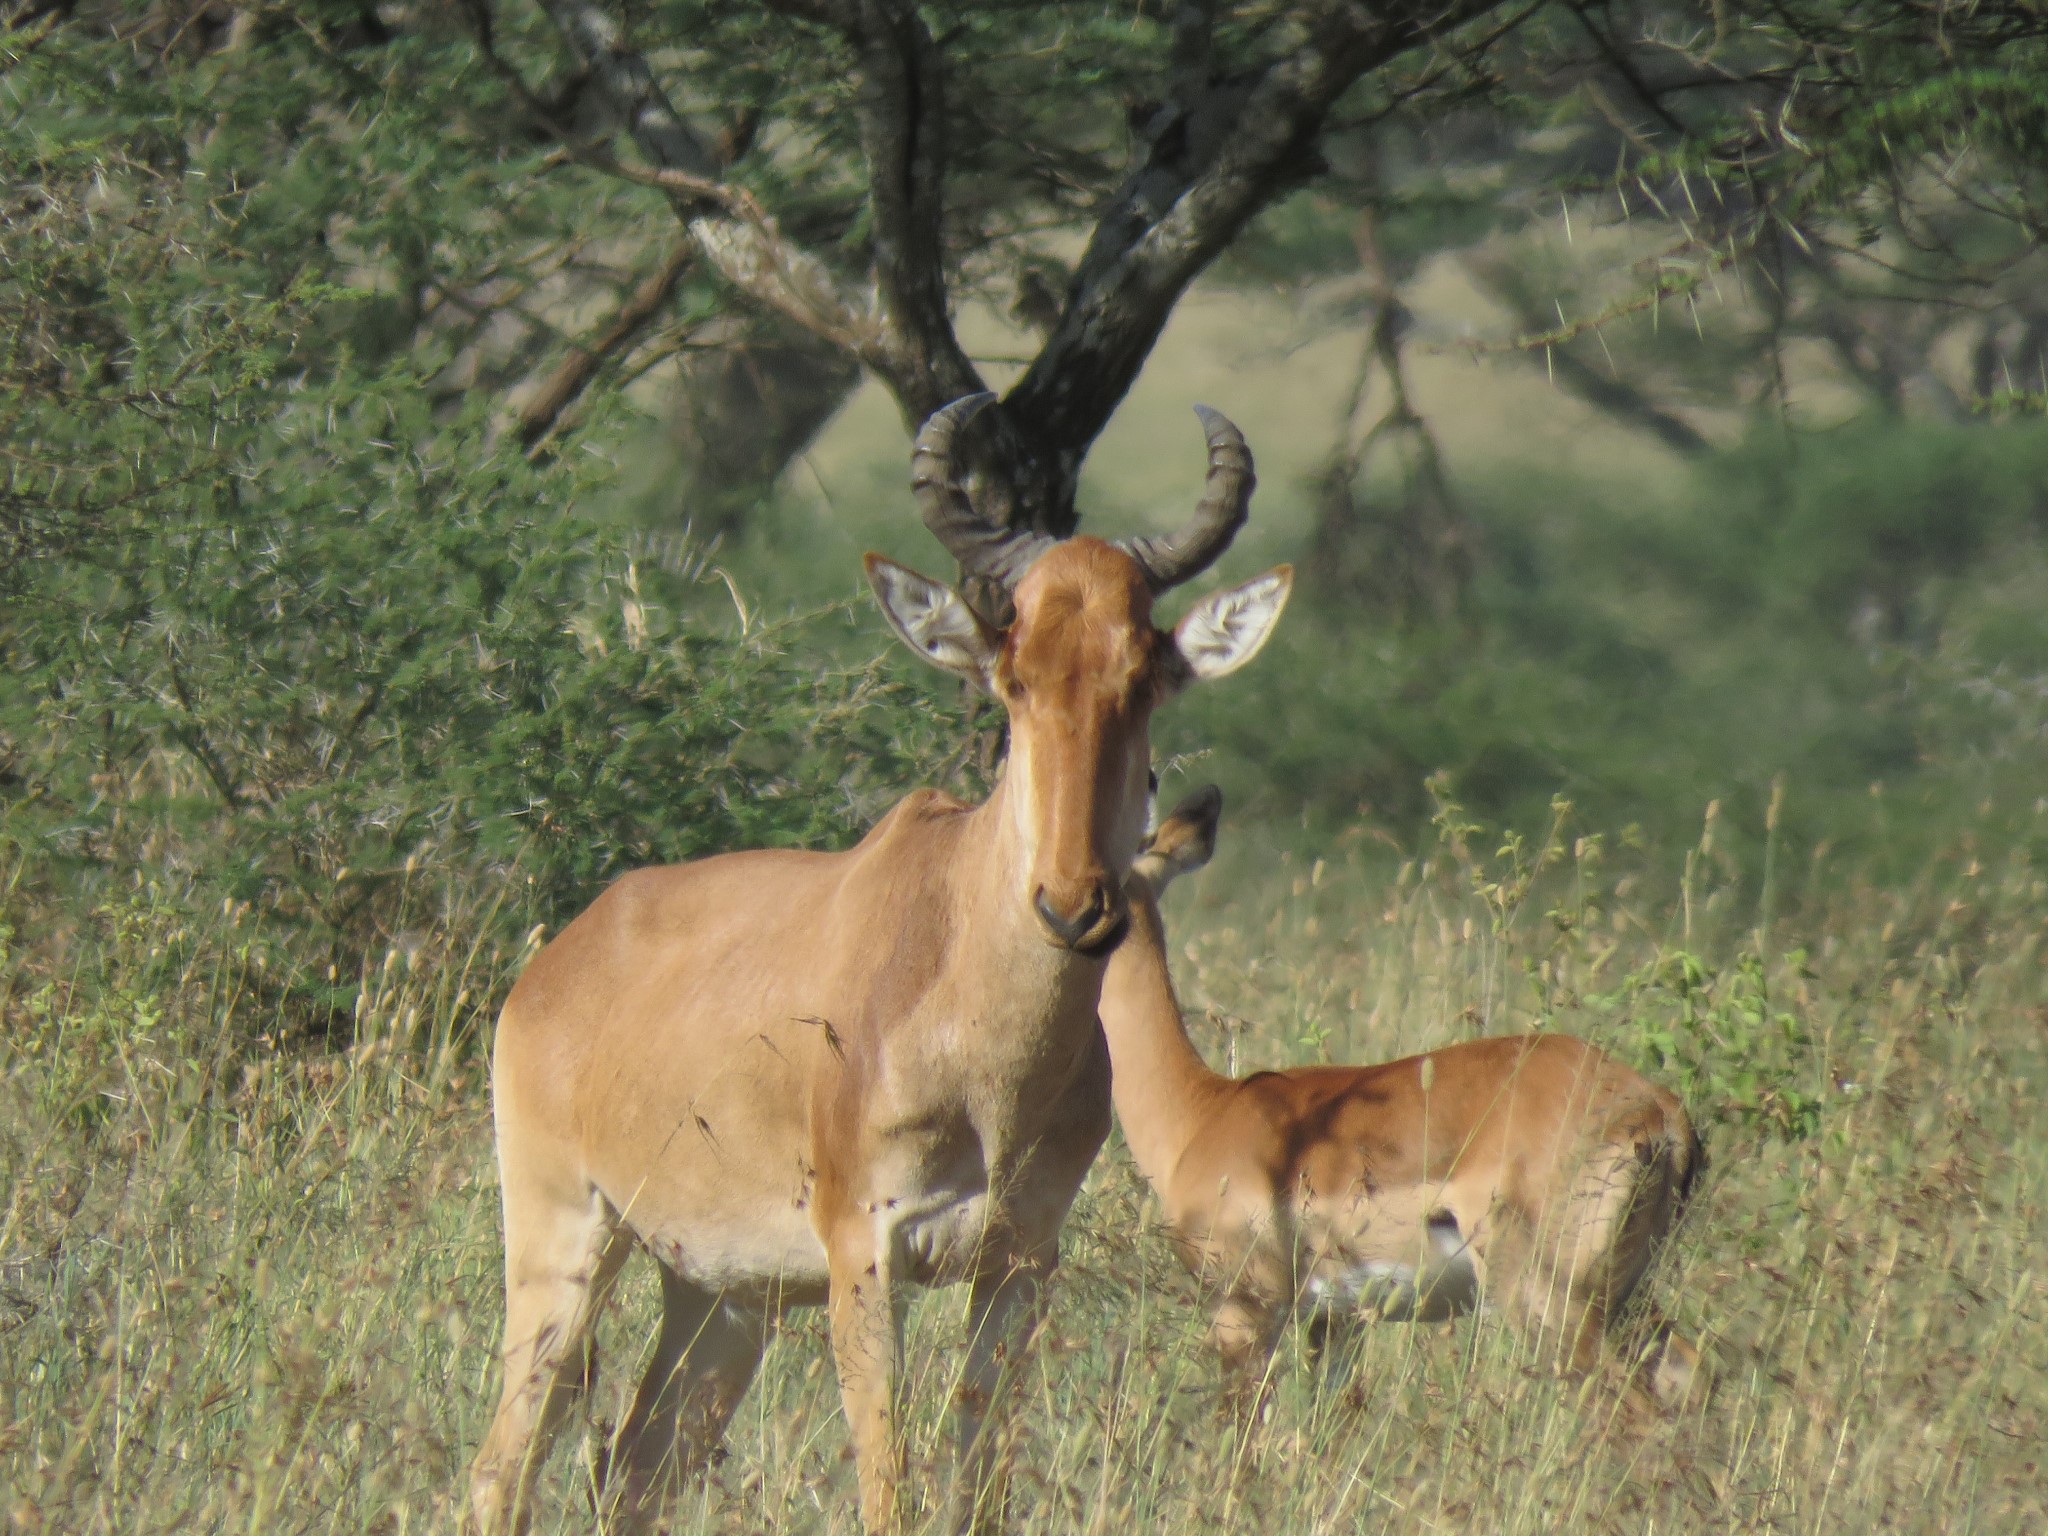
pixel 1411 554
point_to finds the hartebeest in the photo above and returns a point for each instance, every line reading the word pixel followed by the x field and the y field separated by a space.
pixel 1532 1170
pixel 802 1078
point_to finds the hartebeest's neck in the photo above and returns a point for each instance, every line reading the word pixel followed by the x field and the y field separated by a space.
pixel 1024 981
pixel 1163 1088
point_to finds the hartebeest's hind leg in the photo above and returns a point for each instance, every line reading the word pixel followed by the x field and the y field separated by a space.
pixel 1005 1306
pixel 704 1359
pixel 563 1250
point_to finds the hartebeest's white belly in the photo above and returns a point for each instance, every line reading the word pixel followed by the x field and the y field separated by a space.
pixel 775 1255
pixel 926 1195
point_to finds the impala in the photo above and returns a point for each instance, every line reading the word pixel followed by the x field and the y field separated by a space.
pixel 1534 1171
pixel 804 1078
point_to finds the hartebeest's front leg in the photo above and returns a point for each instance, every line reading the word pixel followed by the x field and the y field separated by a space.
pixel 1005 1307
pixel 562 1253
pixel 867 1347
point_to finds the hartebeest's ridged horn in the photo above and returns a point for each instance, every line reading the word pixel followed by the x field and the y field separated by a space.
pixel 1226 499
pixel 982 547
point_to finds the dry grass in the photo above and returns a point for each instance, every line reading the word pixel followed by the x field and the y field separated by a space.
pixel 254 1290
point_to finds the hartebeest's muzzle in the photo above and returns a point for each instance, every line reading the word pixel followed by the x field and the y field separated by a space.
pixel 1094 927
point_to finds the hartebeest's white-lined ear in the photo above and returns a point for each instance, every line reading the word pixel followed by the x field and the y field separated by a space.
pixel 934 621
pixel 1225 629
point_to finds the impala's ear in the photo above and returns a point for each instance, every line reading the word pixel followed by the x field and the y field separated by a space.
pixel 1184 842
pixel 1225 629
pixel 934 621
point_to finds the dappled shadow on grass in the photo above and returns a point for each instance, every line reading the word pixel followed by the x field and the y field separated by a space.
pixel 248 1289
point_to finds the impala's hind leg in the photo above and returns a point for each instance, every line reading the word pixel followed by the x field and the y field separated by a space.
pixel 1581 1268
pixel 1246 1328
pixel 1667 1366
pixel 562 1252
pixel 704 1360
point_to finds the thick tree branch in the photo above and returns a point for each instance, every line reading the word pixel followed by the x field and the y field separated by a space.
pixel 901 111
pixel 630 89
pixel 731 229
pixel 752 255
pixel 903 133
pixel 560 390
pixel 1212 165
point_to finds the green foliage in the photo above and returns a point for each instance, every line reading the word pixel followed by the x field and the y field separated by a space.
pixel 1813 528
pixel 291 632
pixel 1711 1032
pixel 1713 1035
pixel 304 707
pixel 1875 91
pixel 1504 883
pixel 82 1031
pixel 347 681
pixel 1841 610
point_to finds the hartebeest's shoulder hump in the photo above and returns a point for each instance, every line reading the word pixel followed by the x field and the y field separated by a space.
pixel 916 815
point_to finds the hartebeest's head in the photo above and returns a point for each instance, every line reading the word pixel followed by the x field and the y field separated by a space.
pixel 1081 666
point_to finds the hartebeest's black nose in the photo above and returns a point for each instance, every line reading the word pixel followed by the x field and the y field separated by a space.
pixel 1093 928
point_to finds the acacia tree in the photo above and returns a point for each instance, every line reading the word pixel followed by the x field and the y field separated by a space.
pixel 1865 174
pixel 856 167
pixel 895 157
pixel 840 175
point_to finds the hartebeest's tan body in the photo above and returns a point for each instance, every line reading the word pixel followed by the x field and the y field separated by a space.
pixel 802 1078
pixel 1535 1170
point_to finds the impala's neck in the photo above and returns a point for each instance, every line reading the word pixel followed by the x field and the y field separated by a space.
pixel 1163 1088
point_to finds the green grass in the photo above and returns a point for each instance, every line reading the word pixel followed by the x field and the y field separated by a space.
pixel 245 1288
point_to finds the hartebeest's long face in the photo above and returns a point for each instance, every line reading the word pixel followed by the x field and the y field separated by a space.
pixel 1080 670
